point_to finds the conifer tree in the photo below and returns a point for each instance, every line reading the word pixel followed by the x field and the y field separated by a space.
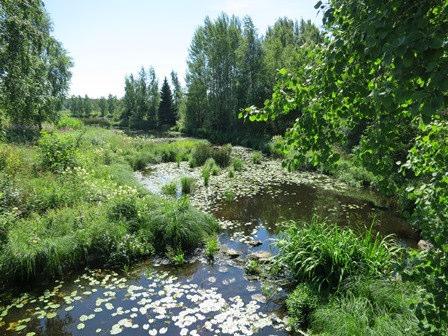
pixel 166 111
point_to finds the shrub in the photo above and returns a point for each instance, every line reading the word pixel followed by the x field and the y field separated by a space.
pixel 186 183
pixel 301 303
pixel 222 154
pixel 326 254
pixel 57 151
pixel 175 223
pixel 370 307
pixel 257 157
pixel 67 122
pixel 141 160
pixel 276 146
pixel 200 154
pixel 11 161
pixel 238 164
pixel 169 189
pixel 232 172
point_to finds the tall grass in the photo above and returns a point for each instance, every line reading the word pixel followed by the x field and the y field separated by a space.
pixel 82 206
pixel 326 254
pixel 369 307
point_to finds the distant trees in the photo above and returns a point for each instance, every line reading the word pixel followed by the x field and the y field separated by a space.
pixel 34 67
pixel 141 100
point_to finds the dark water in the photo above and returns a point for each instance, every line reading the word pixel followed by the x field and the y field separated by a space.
pixel 289 201
pixel 201 298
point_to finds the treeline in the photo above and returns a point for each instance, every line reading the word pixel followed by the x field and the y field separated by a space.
pixel 145 107
pixel 230 67
pixel 85 107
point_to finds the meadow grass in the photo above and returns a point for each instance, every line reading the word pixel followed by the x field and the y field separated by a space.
pixel 82 206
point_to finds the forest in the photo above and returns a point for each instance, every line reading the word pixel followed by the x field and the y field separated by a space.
pixel 295 182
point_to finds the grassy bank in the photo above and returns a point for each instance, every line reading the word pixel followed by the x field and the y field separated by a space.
pixel 71 200
pixel 350 285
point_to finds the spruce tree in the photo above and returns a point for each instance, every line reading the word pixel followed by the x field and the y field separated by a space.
pixel 166 111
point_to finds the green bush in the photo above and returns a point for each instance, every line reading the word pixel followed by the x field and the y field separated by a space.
pixel 370 307
pixel 175 223
pixel 231 172
pixel 301 303
pixel 169 189
pixel 67 122
pixel 326 254
pixel 186 184
pixel 237 164
pixel 200 154
pixel 257 157
pixel 58 151
pixel 222 155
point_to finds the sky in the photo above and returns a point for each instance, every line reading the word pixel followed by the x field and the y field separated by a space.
pixel 109 39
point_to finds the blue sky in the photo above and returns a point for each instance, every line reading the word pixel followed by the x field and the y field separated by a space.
pixel 108 39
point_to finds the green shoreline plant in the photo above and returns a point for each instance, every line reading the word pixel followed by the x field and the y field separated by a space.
pixel 81 206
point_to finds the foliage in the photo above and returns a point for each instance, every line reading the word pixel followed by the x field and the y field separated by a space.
pixel 252 267
pixel 369 307
pixel 301 303
pixel 371 83
pixel 200 154
pixel 34 67
pixel 176 223
pixel 428 162
pixel 186 184
pixel 237 164
pixel 92 213
pixel 170 189
pixel 222 154
pixel 177 257
pixel 166 112
pixel 326 254
pixel 257 157
pixel 428 270
pixel 141 100
pixel 229 67
pixel 211 246
pixel 57 151
pixel 67 122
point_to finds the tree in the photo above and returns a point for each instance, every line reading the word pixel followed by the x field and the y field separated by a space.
pixel 86 106
pixel 177 93
pixel 34 67
pixel 102 105
pixel 153 98
pixel 111 105
pixel 166 113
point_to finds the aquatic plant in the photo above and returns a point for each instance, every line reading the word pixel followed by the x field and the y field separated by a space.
pixel 176 256
pixel 257 157
pixel 300 304
pixel 252 267
pixel 187 184
pixel 170 189
pixel 369 307
pixel 211 246
pixel 222 155
pixel 200 154
pixel 326 254
pixel 238 164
